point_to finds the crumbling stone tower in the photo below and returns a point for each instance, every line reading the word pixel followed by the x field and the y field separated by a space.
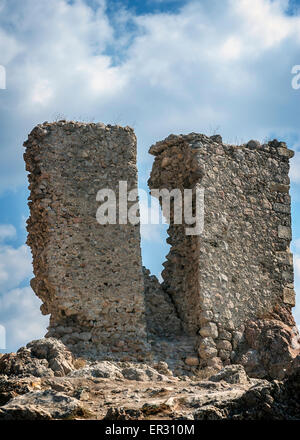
pixel 227 292
pixel 240 268
pixel 89 276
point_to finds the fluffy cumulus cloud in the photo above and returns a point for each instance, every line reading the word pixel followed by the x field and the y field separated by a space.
pixel 297 265
pixel 295 168
pixel 6 232
pixel 20 317
pixel 209 66
pixel 15 266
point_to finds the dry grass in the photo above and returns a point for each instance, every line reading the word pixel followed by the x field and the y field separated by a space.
pixel 79 363
pixel 206 373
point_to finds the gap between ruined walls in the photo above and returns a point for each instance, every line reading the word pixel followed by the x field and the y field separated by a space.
pixel 236 275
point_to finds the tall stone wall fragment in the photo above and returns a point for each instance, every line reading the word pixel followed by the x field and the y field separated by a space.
pixel 88 276
pixel 240 268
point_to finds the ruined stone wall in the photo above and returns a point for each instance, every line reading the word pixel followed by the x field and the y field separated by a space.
pixel 224 291
pixel 178 168
pixel 161 314
pixel 240 268
pixel 88 276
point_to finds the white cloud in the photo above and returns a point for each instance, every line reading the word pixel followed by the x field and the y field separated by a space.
pixel 20 313
pixel 212 63
pixel 232 48
pixel 151 219
pixel 295 168
pixel 7 232
pixel 54 64
pixel 15 266
pixel 152 233
pixel 265 22
pixel 42 92
pixel 296 244
pixel 297 265
pixel 9 47
pixel 21 317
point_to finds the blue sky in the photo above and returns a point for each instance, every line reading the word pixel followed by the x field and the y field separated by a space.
pixel 160 66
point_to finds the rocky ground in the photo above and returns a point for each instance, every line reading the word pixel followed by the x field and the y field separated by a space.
pixel 44 381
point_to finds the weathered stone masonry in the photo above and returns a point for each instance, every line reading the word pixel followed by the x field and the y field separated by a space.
pixel 241 267
pixel 89 276
pixel 227 293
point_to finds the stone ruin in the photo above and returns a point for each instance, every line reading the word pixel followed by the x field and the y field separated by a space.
pixel 230 282
pixel 226 295
pixel 88 276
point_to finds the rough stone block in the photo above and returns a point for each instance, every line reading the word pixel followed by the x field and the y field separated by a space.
pixel 280 187
pixel 210 329
pixel 280 207
pixel 284 232
pixel 289 297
